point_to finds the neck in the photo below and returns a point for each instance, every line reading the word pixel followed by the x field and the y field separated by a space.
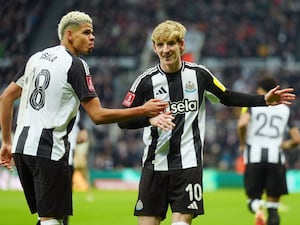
pixel 69 47
pixel 171 68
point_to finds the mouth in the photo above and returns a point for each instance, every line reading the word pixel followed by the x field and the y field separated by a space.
pixel 168 58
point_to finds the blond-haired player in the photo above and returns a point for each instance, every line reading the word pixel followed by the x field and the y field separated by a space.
pixel 172 160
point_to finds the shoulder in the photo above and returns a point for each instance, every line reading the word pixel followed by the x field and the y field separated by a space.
pixel 150 72
pixel 146 76
pixel 192 65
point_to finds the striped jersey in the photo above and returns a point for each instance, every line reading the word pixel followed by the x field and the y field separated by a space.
pixel 53 83
pixel 265 133
pixel 185 90
pixel 77 127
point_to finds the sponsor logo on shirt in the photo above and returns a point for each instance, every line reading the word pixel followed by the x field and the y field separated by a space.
pixel 161 91
pixel 90 83
pixel 128 100
pixel 183 106
pixel 190 87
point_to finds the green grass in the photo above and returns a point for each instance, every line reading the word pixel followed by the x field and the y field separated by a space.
pixel 225 207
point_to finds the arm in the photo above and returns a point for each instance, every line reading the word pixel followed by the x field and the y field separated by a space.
pixel 242 129
pixel 10 94
pixel 100 115
pixel 231 98
pixel 294 140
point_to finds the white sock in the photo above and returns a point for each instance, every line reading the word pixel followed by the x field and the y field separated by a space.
pixel 256 204
pixel 274 205
pixel 180 223
pixel 52 222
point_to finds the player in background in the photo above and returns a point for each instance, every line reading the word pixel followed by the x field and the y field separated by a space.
pixel 81 176
pixel 51 87
pixel 172 160
pixel 261 132
pixel 78 135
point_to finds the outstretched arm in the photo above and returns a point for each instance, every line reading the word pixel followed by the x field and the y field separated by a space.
pixel 280 96
pixel 101 115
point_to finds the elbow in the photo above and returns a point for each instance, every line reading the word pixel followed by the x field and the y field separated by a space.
pixel 98 120
pixel 297 142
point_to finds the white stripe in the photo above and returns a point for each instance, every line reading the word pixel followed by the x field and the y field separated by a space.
pixel 163 145
pixel 188 153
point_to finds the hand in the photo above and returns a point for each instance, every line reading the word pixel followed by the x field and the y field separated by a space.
pixel 6 157
pixel 241 148
pixel 276 96
pixel 154 106
pixel 163 121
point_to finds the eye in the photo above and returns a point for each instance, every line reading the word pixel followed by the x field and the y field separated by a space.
pixel 87 32
pixel 171 43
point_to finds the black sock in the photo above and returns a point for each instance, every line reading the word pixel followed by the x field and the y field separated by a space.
pixel 273 217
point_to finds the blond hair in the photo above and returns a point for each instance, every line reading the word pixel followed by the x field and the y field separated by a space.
pixel 168 30
pixel 72 18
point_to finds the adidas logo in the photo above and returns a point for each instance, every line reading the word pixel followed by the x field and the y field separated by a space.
pixel 193 205
pixel 161 91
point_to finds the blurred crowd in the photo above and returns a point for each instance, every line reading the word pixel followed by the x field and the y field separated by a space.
pixel 232 29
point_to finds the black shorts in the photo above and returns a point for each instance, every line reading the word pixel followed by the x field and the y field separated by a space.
pixel 265 177
pixel 46 184
pixel 181 189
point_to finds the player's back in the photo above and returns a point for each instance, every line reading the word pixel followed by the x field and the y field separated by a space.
pixel 48 101
pixel 265 132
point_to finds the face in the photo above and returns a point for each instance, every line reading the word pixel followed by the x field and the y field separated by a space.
pixel 169 53
pixel 82 39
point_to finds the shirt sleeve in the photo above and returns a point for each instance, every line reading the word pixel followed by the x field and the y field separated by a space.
pixel 134 99
pixel 81 80
pixel 232 98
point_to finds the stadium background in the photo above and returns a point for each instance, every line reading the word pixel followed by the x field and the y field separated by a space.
pixel 238 40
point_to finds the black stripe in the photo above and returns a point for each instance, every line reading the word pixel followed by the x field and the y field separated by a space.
pixel 151 151
pixel 264 154
pixel 45 144
pixel 174 156
pixel 197 141
pixel 280 157
pixel 22 140
pixel 248 149
pixel 176 95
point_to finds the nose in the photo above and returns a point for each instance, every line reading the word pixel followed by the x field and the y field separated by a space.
pixel 92 37
pixel 165 48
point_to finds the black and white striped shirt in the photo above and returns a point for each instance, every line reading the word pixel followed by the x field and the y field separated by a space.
pixel 185 90
pixel 53 83
pixel 265 133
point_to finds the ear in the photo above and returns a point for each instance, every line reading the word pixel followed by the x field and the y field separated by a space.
pixel 182 45
pixel 154 48
pixel 69 35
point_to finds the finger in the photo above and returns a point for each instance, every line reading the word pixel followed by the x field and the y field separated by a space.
pixel 284 91
pixel 286 102
pixel 166 125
